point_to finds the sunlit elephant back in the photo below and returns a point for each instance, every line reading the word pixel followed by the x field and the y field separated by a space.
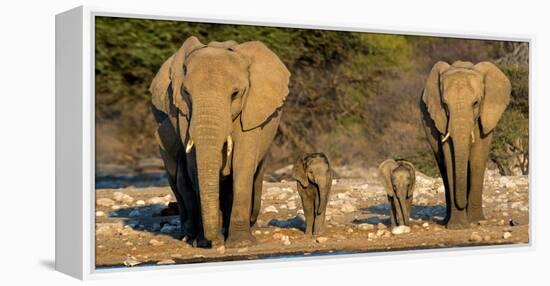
pixel 461 106
pixel 218 107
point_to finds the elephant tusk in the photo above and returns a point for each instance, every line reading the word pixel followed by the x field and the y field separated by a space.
pixel 189 146
pixel 229 145
pixel 473 137
pixel 444 139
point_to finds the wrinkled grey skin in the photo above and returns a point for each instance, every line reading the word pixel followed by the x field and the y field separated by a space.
pixel 218 107
pixel 461 105
pixel 399 179
pixel 314 180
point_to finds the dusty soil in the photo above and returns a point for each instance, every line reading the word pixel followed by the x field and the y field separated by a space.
pixel 131 232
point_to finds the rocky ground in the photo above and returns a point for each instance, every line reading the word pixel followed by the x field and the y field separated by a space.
pixel 134 226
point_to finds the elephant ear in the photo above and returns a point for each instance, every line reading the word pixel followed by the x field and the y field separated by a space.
pixel 432 97
pixel 268 88
pixel 299 173
pixel 159 87
pixel 385 170
pixel 412 172
pixel 177 71
pixel 496 95
pixel 224 45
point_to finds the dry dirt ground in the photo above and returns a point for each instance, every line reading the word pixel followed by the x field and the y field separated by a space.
pixel 131 232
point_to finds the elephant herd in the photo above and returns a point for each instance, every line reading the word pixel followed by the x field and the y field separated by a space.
pixel 218 107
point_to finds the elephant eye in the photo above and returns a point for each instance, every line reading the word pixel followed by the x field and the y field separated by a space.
pixel 235 93
pixel 184 67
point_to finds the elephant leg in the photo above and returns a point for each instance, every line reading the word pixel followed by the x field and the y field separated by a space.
pixel 319 223
pixel 172 167
pixel 407 215
pixel 190 206
pixel 239 224
pixel 446 185
pixel 393 217
pixel 307 205
pixel 226 201
pixel 257 193
pixel 433 137
pixel 478 161
pixel 457 217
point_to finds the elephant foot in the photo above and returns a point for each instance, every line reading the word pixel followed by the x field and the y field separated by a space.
pixel 240 240
pixel 318 231
pixel 475 216
pixel 458 221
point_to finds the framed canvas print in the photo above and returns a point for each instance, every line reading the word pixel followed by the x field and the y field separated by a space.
pixel 184 141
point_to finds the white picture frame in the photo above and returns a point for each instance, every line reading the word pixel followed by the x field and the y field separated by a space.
pixel 75 146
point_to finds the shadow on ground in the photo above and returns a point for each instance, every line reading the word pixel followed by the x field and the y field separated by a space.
pixel 149 218
pixel 297 222
pixel 428 213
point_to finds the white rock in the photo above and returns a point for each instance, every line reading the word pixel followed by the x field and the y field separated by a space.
pixel 99 213
pixel 400 229
pixel 140 203
pixel 366 226
pixel 285 239
pixel 426 224
pixel 383 233
pixel 291 205
pixel 156 201
pixel 288 190
pixel 155 242
pixel 166 262
pixel 282 196
pixel 272 190
pixel 506 235
pixel 123 198
pixel 475 237
pixel 221 249
pixel 371 235
pixel 348 208
pixel 105 202
pixel 270 209
pixel 302 212
pixel 131 261
pixel 516 205
pixel 342 196
pixel 321 239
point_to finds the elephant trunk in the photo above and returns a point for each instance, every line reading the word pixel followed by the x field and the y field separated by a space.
pixel 323 186
pixel 208 136
pixel 461 145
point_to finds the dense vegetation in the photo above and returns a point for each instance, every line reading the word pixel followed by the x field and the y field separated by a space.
pixel 352 95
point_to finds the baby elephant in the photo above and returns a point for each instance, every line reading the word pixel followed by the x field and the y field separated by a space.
pixel 313 175
pixel 398 177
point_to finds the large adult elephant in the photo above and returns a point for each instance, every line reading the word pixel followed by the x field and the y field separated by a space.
pixel 461 105
pixel 218 107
